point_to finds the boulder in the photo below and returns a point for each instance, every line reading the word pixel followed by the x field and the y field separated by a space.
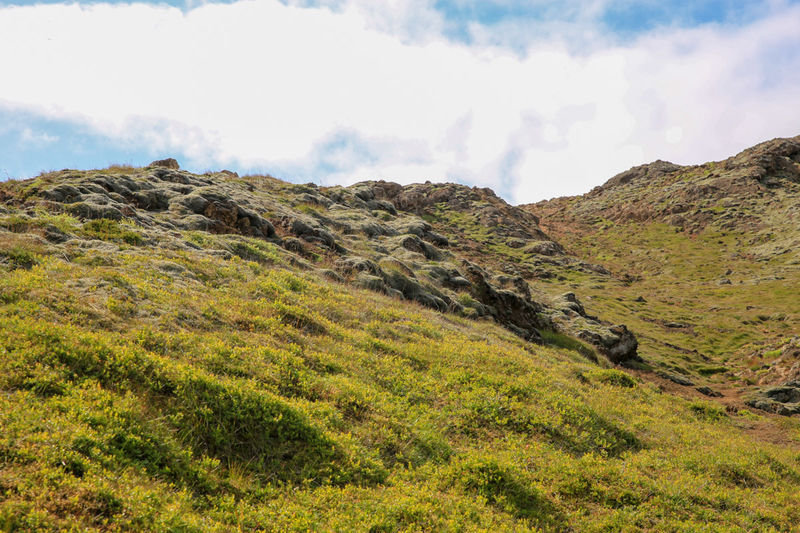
pixel 413 243
pixel 353 264
pixel 376 284
pixel 783 399
pixel 548 248
pixel 708 391
pixel 90 210
pixel 617 343
pixel 310 233
pixel 294 245
pixel 166 163
pixel 331 275
pixel 151 199
pixel 568 303
pixel 63 193
pixel 196 223
pixel 523 317
pixel 382 205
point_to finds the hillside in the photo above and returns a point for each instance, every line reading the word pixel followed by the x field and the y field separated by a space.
pixel 706 261
pixel 186 352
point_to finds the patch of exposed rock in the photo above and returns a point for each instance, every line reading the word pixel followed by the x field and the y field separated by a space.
pixel 614 341
pixel 729 194
pixel 783 399
pixel 522 316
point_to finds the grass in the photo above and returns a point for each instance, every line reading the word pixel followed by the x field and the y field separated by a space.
pixel 251 397
pixel 199 382
pixel 111 230
pixel 560 340
pixel 659 258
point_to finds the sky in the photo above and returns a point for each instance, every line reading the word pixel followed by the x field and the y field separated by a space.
pixel 534 99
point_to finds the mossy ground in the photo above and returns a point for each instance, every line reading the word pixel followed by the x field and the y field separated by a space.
pixel 144 388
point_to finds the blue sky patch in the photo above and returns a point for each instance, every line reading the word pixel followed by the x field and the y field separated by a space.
pixel 31 143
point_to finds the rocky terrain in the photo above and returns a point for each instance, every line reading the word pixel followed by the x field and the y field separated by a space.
pixel 373 235
pixel 214 352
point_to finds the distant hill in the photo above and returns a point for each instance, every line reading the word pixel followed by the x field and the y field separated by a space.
pixel 715 251
pixel 184 352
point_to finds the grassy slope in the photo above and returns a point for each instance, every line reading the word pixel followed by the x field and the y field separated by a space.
pixel 149 389
pixel 683 278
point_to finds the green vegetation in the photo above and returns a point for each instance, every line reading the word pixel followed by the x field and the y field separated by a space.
pixel 19 257
pixel 560 340
pixel 249 397
pixel 194 353
pixel 725 319
pixel 110 230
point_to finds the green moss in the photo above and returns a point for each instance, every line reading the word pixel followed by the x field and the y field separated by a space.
pixel 710 370
pixel 111 230
pixel 555 338
pixel 19 257
pixel 255 250
pixel 707 411
pixel 614 377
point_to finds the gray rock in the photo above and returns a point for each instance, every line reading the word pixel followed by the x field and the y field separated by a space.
pixel 436 239
pixel 349 265
pixel 55 235
pixel 364 193
pixel 373 283
pixel 96 198
pixel 165 163
pixel 410 288
pixel 460 282
pixel 429 300
pixel 123 185
pixel 196 223
pixel 447 277
pixel 548 248
pixel 312 234
pixel 382 205
pixel 508 308
pixel 373 229
pixel 294 245
pixel 331 275
pixel 151 200
pixel 91 188
pixel 315 199
pixel 63 193
pixel 783 394
pixel 415 244
pixel 569 302
pixel 676 378
pixel 193 202
pixel 615 342
pixel 88 210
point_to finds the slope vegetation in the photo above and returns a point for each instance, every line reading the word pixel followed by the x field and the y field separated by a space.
pixel 214 353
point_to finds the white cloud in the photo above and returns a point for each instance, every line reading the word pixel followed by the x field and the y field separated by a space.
pixel 39 138
pixel 263 84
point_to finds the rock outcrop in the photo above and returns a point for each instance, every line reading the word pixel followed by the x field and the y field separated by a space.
pixel 616 342
pixel 783 399
pixel 423 242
